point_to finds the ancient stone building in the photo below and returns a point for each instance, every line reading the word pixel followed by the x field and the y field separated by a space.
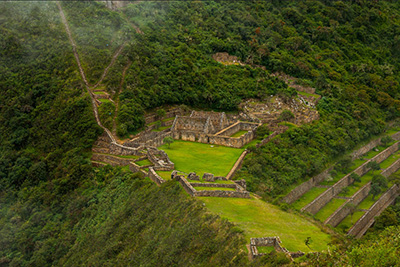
pixel 212 128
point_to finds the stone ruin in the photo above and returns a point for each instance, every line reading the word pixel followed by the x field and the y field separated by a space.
pixel 212 128
pixel 270 242
pixel 240 192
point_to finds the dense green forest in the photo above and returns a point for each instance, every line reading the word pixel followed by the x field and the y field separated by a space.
pixel 55 209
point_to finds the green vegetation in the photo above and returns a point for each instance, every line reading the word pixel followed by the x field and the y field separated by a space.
pixel 308 197
pixel 200 158
pixel 166 175
pixel 161 128
pixel 214 188
pixel 239 134
pixel 259 219
pixel 144 162
pixel 262 249
pixel 329 208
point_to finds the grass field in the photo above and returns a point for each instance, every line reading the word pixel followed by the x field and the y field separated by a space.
pixel 239 134
pixel 214 189
pixel 166 175
pixel 104 100
pixel 349 221
pixel 308 197
pixel 329 208
pixel 262 249
pixel 200 158
pixel 161 129
pixel 215 182
pixel 260 219
pixel 144 162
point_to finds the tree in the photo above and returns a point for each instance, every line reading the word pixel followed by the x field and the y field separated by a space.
pixel 161 113
pixel 386 140
pixel 286 115
pixel 308 241
pixel 344 164
pixel 158 125
pixel 373 165
pixel 375 190
pixel 262 131
pixel 355 177
pixel 352 209
pixel 168 140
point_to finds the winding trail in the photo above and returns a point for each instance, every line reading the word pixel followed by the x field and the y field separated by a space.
pixel 114 129
pixel 95 111
pixel 113 59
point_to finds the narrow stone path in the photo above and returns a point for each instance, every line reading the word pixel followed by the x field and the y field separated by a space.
pixel 113 59
pixel 94 106
pixel 114 129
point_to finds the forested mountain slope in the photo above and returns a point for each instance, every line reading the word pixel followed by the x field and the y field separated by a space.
pixel 55 209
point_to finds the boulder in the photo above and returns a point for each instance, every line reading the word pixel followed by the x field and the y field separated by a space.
pixel 193 176
pixel 209 177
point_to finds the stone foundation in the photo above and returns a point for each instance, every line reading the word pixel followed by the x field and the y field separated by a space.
pixel 155 177
pixel 270 242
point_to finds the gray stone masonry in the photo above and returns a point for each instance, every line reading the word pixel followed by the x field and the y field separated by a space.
pixel 209 177
pixel 155 177
pixel 270 242
pixel 193 176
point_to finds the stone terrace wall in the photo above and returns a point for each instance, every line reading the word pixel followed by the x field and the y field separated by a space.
pixel 221 193
pixel 358 197
pixel 327 196
pixel 303 188
pixel 149 139
pixel 214 185
pixel 391 169
pixel 237 165
pixel 358 153
pixel 231 141
pixel 342 212
pixel 362 225
pixel 155 177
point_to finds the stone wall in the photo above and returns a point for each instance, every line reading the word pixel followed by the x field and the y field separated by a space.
pixel 270 242
pixel 160 159
pixel 343 211
pixel 118 149
pixel 323 199
pixel 303 188
pixel 231 141
pixel 215 185
pixel 237 165
pixel 362 225
pixel 148 138
pixel 391 169
pixel 360 152
pixel 221 193
pixel 155 177
pixel 186 185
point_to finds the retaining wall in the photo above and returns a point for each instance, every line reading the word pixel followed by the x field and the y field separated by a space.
pixel 343 211
pixel 358 153
pixel 237 165
pixel 155 177
pixel 168 114
pixel 111 160
pixel 362 225
pixel 391 169
pixel 303 188
pixel 323 199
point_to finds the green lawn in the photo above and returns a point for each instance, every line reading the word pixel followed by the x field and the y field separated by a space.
pixel 200 158
pixel 99 93
pixel 104 100
pixel 262 249
pixel 126 156
pixel 260 219
pixel 308 94
pixel 161 129
pixel 308 197
pixel 390 160
pixel 349 221
pixel 215 182
pixel 214 189
pixel 239 134
pixel 166 175
pixel 164 120
pixel 329 208
pixel 368 202
pixel 144 162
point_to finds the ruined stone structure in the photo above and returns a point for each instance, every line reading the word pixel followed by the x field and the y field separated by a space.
pixel 239 192
pixel 270 242
pixel 155 177
pixel 212 128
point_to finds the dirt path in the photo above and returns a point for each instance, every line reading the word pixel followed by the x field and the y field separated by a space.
pixel 113 59
pixel 94 106
pixel 114 129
